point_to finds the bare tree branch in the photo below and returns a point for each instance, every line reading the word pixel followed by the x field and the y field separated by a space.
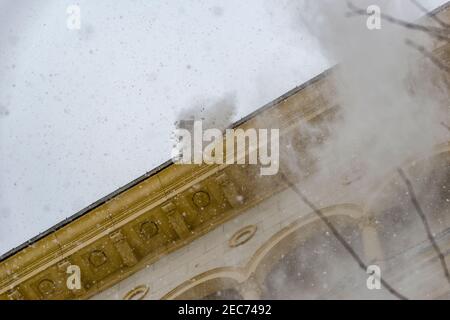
pixel 422 216
pixel 445 126
pixel 442 33
pixel 428 54
pixel 436 32
pixel 338 236
pixel 429 14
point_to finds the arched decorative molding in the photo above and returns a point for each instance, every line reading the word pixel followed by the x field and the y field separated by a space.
pixel 282 241
pixel 262 260
pixel 208 282
pixel 378 189
pixel 369 208
pixel 137 293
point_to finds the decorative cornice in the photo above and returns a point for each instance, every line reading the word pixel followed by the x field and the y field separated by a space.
pixel 157 215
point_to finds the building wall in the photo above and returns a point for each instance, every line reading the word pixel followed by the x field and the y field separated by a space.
pixel 342 193
pixel 213 250
pixel 211 256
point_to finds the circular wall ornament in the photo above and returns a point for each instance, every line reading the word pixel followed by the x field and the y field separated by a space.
pixel 148 229
pixel 137 293
pixel 242 236
pixel 97 258
pixel 201 199
pixel 47 286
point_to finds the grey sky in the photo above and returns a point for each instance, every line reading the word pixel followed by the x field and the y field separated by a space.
pixel 84 112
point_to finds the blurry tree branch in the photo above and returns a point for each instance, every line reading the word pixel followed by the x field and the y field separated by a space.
pixel 429 14
pixel 440 33
pixel 445 126
pixel 338 235
pixel 423 217
pixel 428 54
